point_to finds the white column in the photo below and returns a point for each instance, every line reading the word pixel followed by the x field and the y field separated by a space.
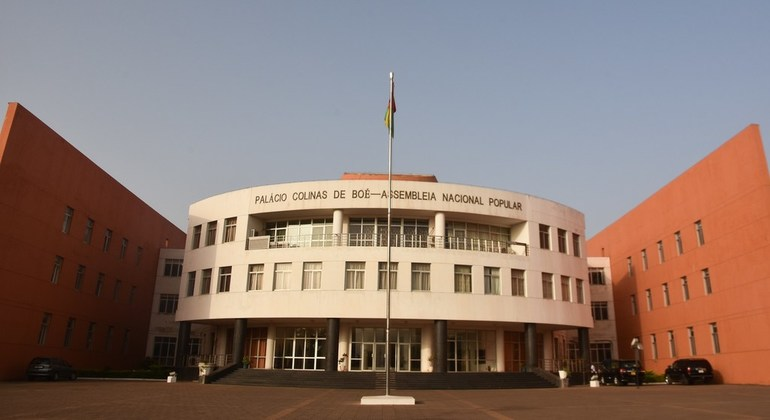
pixel 500 342
pixel 337 228
pixel 439 229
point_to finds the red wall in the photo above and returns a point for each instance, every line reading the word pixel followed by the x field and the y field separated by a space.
pixel 729 192
pixel 40 175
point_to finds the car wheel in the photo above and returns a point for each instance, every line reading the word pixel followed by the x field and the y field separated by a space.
pixel 55 376
pixel 668 380
pixel 686 380
pixel 73 376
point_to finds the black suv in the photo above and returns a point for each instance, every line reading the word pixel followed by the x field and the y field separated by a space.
pixel 620 372
pixel 688 371
pixel 50 368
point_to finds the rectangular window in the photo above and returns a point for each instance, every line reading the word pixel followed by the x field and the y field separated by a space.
pixel 547 285
pixel 576 245
pixel 354 275
pixel 561 238
pixel 565 289
pixel 600 351
pixel 671 344
pixel 69 213
pixel 281 276
pixel 678 242
pixel 691 340
pixel 107 240
pixel 172 267
pixel 630 266
pixel 383 273
pixel 90 335
pixel 131 294
pixel 463 281
pixel 256 274
pixel 108 339
pixel 685 290
pixel 163 350
pixel 699 233
pixel 421 277
pixel 123 248
pixel 491 281
pixel 648 296
pixel 517 282
pixel 706 281
pixel 206 281
pixel 139 252
pixel 126 341
pixel 229 233
pixel 99 284
pixel 654 347
pixel 168 303
pixel 44 328
pixel 57 264
pixel 661 255
pixel 596 276
pixel 580 291
pixel 666 299
pixel 644 260
pixel 69 332
pixel 600 311
pixel 634 309
pixel 211 233
pixel 89 231
pixel 80 276
pixel 715 338
pixel 311 275
pixel 196 237
pixel 545 237
pixel 116 290
pixel 191 283
pixel 225 273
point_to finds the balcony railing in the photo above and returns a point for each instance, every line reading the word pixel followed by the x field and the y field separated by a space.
pixel 398 241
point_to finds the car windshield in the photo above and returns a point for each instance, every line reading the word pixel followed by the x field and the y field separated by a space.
pixel 40 361
pixel 627 364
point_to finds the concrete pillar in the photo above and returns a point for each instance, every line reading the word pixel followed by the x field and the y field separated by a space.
pixel 499 350
pixel 585 348
pixel 239 337
pixel 332 343
pixel 183 343
pixel 530 346
pixel 439 230
pixel 337 227
pixel 440 354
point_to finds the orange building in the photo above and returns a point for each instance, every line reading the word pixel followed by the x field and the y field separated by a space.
pixel 691 266
pixel 78 254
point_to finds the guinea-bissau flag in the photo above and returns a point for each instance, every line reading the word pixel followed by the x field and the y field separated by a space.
pixel 389 122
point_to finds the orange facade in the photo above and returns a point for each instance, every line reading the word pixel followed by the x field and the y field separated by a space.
pixel 691 266
pixel 78 254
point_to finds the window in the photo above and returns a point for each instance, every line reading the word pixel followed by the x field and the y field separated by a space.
pixel 463 281
pixel 90 335
pixel 89 231
pixel 576 244
pixel 491 281
pixel 126 341
pixel 678 242
pixel 685 290
pixel 131 294
pixel 580 291
pixel 107 240
pixel 671 344
pixel 561 239
pixel 139 252
pixel 69 332
pixel 80 276
pixel 256 274
pixel 108 339
pixel 644 260
pixel 476 236
pixel 281 276
pixel 69 213
pixel 168 303
pixel 173 267
pixel 300 348
pixel 517 282
pixel 383 273
pixel 206 281
pixel 699 233
pixel 191 283
pixel 211 233
pixel 661 254
pixel 600 311
pixel 666 300
pixel 311 275
pixel 634 309
pixel 229 234
pixel 691 340
pixel 565 289
pixel 600 351
pixel 421 277
pixel 196 237
pixel 354 275
pixel 163 350
pixel 116 290
pixel 314 233
pixel 57 263
pixel 715 338
pixel 706 281
pixel 545 237
pixel 547 279
pixel 123 248
pixel 225 273
pixel 630 266
pixel 99 284
pixel 44 328
pixel 654 347
pixel 648 296
pixel 596 276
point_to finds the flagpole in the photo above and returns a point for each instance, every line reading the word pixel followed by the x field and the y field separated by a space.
pixel 387 271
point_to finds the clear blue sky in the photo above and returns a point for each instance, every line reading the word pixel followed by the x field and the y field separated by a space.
pixel 593 104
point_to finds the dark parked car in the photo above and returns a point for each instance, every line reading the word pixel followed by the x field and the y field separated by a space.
pixel 50 368
pixel 688 371
pixel 620 372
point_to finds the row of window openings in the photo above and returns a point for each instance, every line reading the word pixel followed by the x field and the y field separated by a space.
pixel 666 292
pixel 80 277
pixel 561 240
pixel 661 253
pixel 69 214
pixel 691 342
pixel 69 333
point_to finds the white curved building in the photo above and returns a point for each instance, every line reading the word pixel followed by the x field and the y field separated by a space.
pixel 293 276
